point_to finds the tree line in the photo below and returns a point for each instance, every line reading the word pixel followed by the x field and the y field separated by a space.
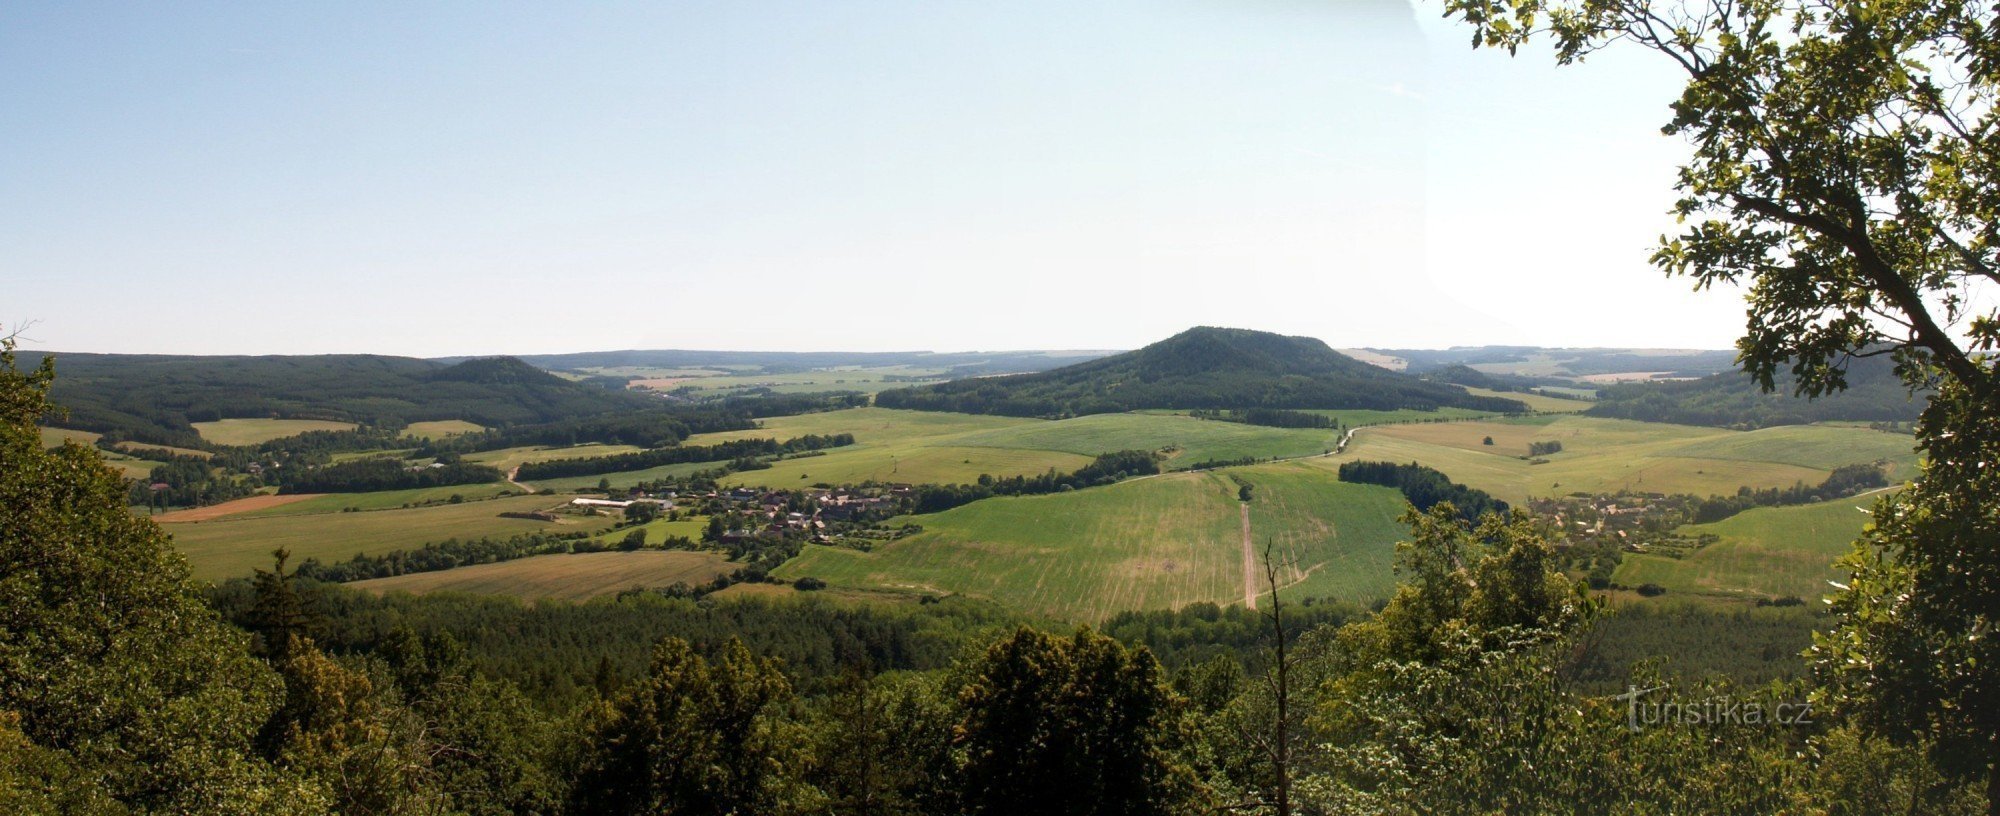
pixel 1269 417
pixel 721 451
pixel 379 473
pixel 1424 487
pixel 1106 468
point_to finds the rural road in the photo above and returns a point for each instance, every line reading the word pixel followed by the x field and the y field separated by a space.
pixel 1249 563
pixel 510 480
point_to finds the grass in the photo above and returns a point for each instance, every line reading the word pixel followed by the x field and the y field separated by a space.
pixel 658 530
pixel 1193 440
pixel 1536 402
pixel 569 577
pixel 229 548
pixel 914 464
pixel 622 479
pixel 384 500
pixel 1341 535
pixel 127 465
pixel 440 428
pixel 896 446
pixel 1607 455
pixel 869 426
pixel 1152 543
pixel 257 431
pixel 1766 552
pixel 509 458
pixel 1822 447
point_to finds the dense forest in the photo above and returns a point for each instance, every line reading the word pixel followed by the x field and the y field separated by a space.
pixel 1423 487
pixel 1733 400
pixel 379 473
pixel 1206 368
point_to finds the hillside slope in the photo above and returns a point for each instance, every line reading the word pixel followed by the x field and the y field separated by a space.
pixel 1732 400
pixel 1203 367
pixel 154 398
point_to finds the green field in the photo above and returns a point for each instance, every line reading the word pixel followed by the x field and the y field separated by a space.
pixel 569 577
pixel 658 530
pixel 255 431
pixel 1608 455
pixel 232 547
pixel 624 478
pixel 383 500
pixel 1191 440
pixel 436 429
pixel 1536 402
pixel 1152 543
pixel 875 426
pixel 510 458
pixel 896 446
pixel 1342 535
pixel 914 464
pixel 1765 552
pixel 127 465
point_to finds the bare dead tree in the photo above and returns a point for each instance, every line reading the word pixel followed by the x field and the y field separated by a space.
pixel 1276 744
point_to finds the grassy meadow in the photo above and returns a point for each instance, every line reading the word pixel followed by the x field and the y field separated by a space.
pixel 568 577
pixel 510 458
pixel 383 499
pixel 256 431
pixel 1152 543
pixel 1189 440
pixel 233 547
pixel 438 429
pixel 1609 455
pixel 127 465
pixel 1766 552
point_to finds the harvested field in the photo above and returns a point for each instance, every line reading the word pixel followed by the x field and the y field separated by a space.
pixel 230 508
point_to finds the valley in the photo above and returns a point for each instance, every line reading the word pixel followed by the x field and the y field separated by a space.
pixel 1149 542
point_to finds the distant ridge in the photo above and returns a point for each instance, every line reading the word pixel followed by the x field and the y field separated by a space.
pixel 1733 400
pixel 1203 367
pixel 155 398
pixel 957 364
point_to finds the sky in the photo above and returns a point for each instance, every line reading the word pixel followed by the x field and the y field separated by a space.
pixel 498 178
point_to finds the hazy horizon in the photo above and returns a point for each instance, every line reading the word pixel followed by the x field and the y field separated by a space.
pixel 469 179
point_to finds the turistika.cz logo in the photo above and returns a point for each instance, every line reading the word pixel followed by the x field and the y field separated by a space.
pixel 1642 713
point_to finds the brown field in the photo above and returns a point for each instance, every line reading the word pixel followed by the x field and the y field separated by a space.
pixel 230 508
pixel 566 577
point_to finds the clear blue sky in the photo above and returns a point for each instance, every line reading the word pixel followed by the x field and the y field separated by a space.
pixel 436 179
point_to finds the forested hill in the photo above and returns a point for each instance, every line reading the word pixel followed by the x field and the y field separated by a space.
pixel 154 398
pixel 1732 400
pixel 958 364
pixel 1202 367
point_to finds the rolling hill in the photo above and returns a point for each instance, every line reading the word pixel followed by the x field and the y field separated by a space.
pixel 157 398
pixel 1732 399
pixel 1203 367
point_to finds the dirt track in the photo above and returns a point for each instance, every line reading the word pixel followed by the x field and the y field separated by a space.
pixel 1249 563
pixel 228 508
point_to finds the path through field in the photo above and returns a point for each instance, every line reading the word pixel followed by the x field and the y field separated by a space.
pixel 510 480
pixel 1249 563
